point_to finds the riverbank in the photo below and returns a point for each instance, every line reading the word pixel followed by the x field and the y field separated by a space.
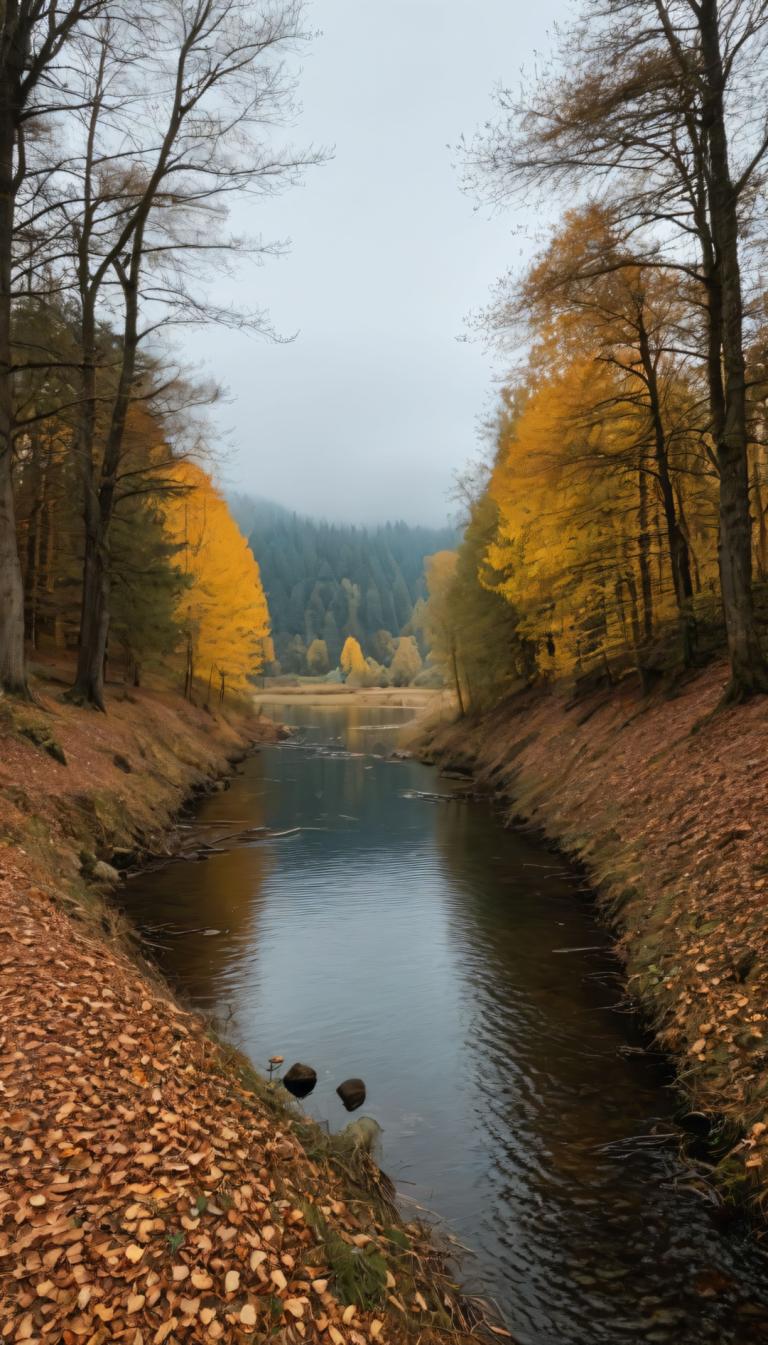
pixel 663 800
pixel 152 1187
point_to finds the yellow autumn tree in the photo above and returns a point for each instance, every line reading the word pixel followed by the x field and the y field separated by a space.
pixel 223 612
pixel 572 538
pixel 441 624
pixel 352 660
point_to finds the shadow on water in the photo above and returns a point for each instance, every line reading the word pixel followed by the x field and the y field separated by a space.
pixel 412 942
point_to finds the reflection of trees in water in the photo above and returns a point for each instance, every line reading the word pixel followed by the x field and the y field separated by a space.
pixel 550 1087
pixel 221 893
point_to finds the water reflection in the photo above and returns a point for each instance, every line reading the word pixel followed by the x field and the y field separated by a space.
pixel 411 943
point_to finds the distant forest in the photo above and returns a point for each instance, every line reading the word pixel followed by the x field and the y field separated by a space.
pixel 328 581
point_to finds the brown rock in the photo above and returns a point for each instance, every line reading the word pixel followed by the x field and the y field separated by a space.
pixel 352 1093
pixel 300 1080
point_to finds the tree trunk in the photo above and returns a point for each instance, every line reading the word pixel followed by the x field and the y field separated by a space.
pixel 88 688
pixel 749 673
pixel 13 676
pixel 762 530
pixel 457 679
pixel 643 547
pixel 678 546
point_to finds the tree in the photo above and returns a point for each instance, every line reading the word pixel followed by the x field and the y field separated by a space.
pixel 383 646
pixel 634 319
pixel 658 112
pixel 407 662
pixel 180 113
pixel 352 660
pixel 375 675
pixel 148 584
pixel 495 656
pixel 317 658
pixel 33 85
pixel 440 617
pixel 222 610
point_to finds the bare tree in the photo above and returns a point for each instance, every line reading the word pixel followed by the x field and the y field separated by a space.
pixel 177 109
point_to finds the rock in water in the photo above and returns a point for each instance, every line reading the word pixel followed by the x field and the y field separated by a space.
pixel 300 1080
pixel 352 1093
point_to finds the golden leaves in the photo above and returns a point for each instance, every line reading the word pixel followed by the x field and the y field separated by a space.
pixel 224 612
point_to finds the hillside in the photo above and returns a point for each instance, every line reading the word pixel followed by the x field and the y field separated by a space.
pixel 326 581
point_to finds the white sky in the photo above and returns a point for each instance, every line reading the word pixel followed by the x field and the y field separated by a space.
pixel 369 413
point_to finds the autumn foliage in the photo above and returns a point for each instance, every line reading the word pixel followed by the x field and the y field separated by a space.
pixel 221 609
pixel 597 523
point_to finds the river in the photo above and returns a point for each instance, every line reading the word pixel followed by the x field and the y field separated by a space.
pixel 419 944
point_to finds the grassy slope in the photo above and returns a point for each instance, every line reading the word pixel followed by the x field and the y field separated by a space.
pixel 667 809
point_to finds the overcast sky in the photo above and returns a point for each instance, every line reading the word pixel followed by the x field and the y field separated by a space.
pixel 368 414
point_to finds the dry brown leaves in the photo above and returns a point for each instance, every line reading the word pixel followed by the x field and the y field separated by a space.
pixel 144 1196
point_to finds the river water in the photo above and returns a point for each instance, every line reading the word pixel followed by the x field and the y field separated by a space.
pixel 419 944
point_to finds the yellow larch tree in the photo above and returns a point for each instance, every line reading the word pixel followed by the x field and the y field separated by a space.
pixel 223 612
pixel 352 660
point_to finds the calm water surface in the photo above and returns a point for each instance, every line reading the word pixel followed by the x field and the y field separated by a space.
pixel 414 943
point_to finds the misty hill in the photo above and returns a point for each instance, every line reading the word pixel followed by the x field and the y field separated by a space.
pixel 325 581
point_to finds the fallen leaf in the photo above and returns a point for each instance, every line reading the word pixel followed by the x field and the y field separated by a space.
pixel 164 1331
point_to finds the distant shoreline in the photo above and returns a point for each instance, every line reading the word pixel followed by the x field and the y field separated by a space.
pixel 328 693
